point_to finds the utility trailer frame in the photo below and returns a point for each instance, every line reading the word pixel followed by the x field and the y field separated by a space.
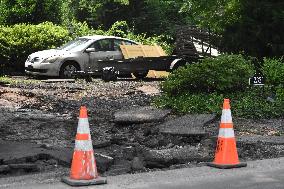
pixel 139 66
pixel 191 45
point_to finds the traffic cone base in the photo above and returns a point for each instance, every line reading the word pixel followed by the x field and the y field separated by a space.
pixel 227 166
pixel 73 182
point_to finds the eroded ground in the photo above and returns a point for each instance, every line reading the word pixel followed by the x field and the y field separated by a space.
pixel 46 114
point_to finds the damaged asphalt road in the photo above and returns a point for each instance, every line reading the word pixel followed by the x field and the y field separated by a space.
pixel 128 134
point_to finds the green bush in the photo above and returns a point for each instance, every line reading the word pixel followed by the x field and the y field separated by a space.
pixel 201 88
pixel 273 71
pixel 251 103
pixel 191 103
pixel 225 73
pixel 20 40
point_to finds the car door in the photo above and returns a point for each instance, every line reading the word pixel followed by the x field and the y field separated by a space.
pixel 104 50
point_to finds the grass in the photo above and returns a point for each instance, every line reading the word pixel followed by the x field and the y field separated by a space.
pixel 15 81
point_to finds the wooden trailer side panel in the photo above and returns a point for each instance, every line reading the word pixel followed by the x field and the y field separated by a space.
pixel 134 51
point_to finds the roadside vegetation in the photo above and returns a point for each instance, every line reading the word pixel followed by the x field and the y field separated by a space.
pixel 18 41
pixel 14 81
pixel 202 86
pixel 31 25
pixel 27 26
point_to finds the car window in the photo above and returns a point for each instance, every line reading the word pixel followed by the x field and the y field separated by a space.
pixel 103 45
pixel 75 44
pixel 118 42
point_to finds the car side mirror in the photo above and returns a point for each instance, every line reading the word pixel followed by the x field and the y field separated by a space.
pixel 89 50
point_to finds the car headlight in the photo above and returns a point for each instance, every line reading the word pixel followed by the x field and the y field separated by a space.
pixel 50 59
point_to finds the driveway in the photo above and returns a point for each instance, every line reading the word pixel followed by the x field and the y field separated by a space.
pixel 261 174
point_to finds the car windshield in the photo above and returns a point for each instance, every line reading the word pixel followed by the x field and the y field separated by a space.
pixel 75 45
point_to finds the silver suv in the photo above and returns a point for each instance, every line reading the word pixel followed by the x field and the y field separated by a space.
pixel 81 54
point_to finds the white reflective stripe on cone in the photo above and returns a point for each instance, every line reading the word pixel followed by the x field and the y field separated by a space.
pixel 83 145
pixel 83 126
pixel 226 133
pixel 226 116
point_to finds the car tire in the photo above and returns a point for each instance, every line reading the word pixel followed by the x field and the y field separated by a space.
pixel 67 70
pixel 109 74
pixel 141 74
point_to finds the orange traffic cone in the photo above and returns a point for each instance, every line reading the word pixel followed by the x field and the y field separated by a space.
pixel 226 155
pixel 83 169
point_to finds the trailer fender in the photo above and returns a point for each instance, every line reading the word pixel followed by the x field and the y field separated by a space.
pixel 175 62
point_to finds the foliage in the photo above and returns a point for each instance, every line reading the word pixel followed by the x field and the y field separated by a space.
pixel 158 17
pixel 191 103
pixel 258 31
pixel 224 73
pixel 216 14
pixel 94 12
pixel 79 29
pixel 119 29
pixel 273 71
pixel 184 91
pixel 251 103
pixel 30 11
pixel 20 40
pixel 14 81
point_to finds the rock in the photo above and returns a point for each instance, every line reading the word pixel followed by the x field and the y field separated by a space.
pixel 140 115
pixel 137 164
pixel 167 157
pixel 20 153
pixel 52 162
pixel 149 90
pixel 62 155
pixel 4 168
pixel 151 142
pixel 129 152
pixel 27 167
pixel 120 167
pixel 118 139
pixel 188 125
pixel 261 146
pixel 101 144
pixel 103 162
pixel 272 140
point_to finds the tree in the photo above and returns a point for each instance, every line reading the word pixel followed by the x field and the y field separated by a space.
pixel 216 14
pixel 253 27
pixel 30 11
pixel 259 30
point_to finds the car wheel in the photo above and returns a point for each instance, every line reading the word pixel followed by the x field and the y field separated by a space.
pixel 141 74
pixel 109 74
pixel 67 70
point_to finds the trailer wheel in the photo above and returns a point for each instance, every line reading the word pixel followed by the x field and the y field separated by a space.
pixel 141 75
pixel 109 74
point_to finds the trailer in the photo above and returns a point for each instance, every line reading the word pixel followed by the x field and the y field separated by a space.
pixel 139 66
pixel 191 45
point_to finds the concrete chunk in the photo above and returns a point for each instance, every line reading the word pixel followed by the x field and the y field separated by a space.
pixel 188 125
pixel 167 157
pixel 140 115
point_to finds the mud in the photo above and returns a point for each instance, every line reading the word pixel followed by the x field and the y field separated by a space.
pixel 46 114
